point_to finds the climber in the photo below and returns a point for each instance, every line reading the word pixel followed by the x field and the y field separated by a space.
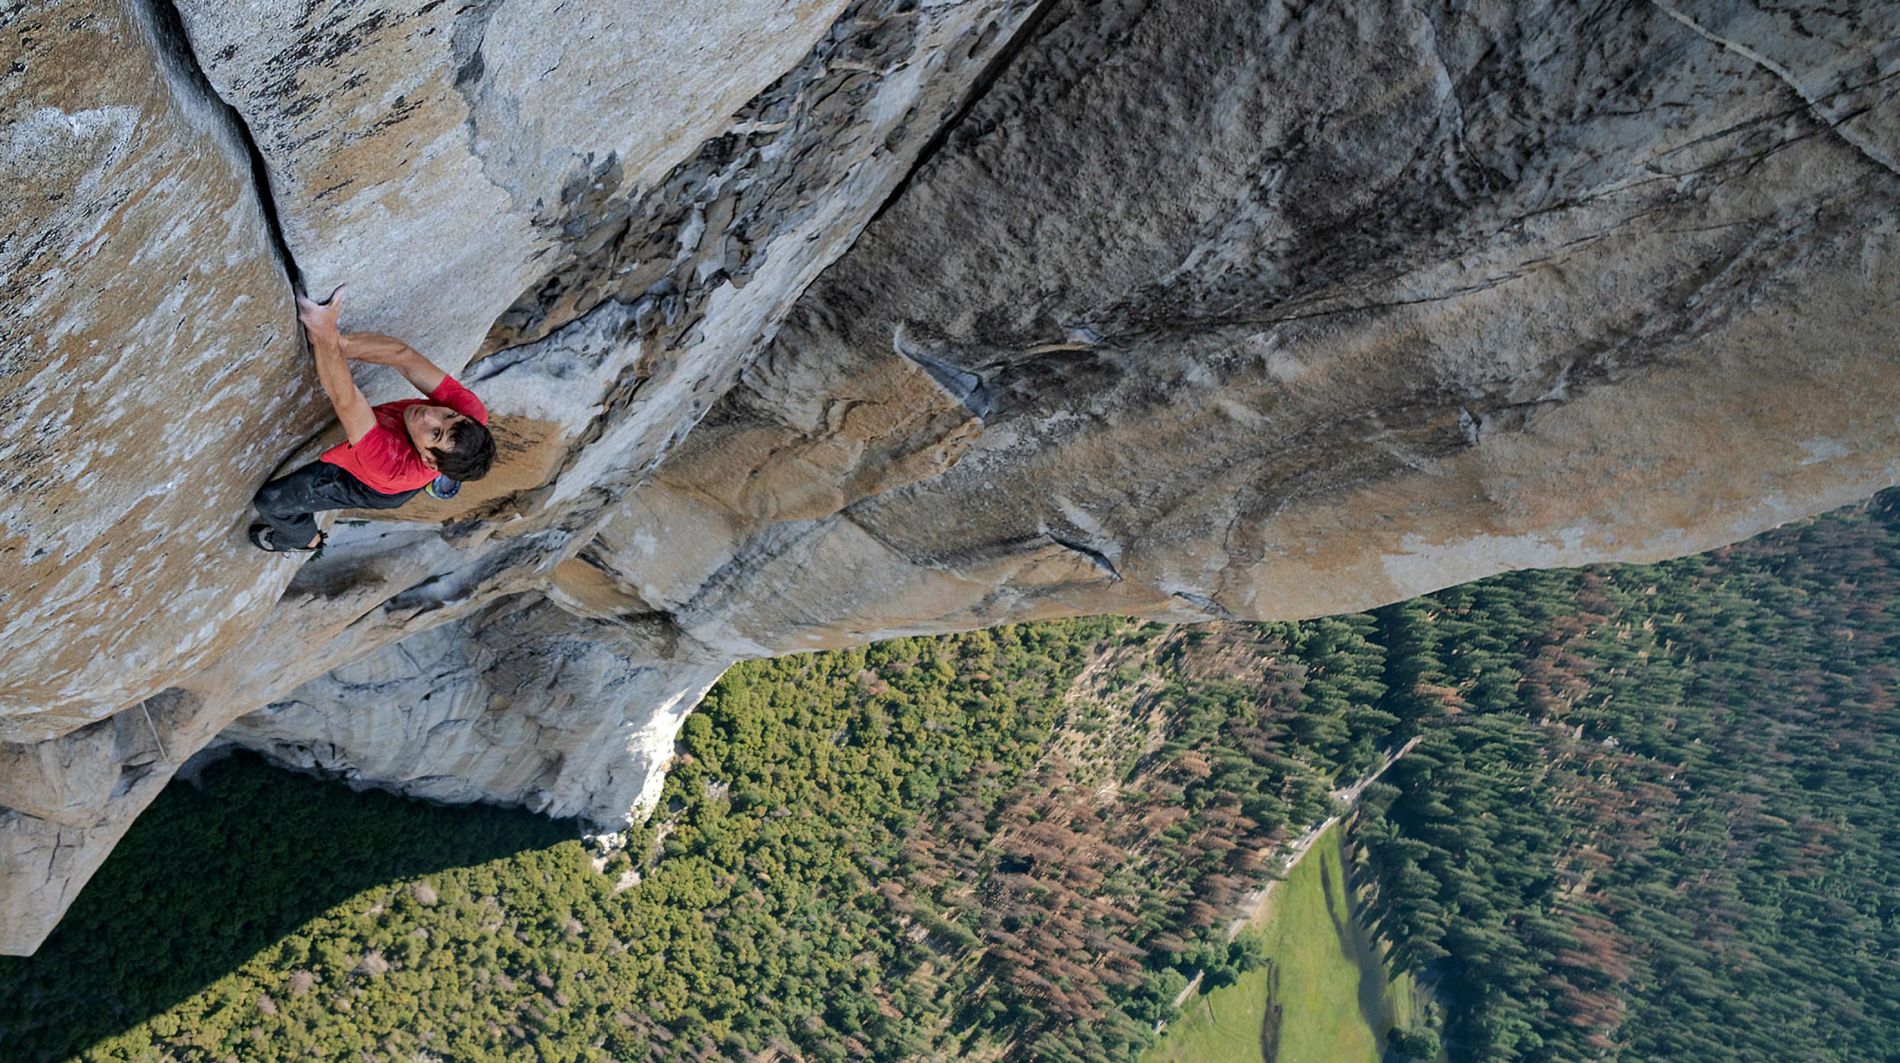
pixel 394 450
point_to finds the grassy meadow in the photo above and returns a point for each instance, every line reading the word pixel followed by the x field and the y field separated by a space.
pixel 1329 996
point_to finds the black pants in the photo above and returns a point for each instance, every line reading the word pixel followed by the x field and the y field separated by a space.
pixel 291 502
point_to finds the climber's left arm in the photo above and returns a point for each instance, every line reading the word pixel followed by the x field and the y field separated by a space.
pixel 378 349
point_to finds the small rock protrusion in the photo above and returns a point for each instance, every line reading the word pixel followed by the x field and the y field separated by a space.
pixel 1468 426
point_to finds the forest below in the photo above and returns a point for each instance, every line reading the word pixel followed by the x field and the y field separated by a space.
pixel 1653 815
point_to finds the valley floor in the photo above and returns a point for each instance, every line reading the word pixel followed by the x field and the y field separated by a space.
pixel 1322 996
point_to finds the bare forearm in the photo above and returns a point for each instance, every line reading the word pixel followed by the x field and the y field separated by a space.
pixel 374 347
pixel 379 349
pixel 333 372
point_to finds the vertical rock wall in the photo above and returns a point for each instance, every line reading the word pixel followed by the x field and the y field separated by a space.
pixel 1355 304
pixel 1358 303
pixel 526 705
pixel 146 375
pixel 1186 308
pixel 616 205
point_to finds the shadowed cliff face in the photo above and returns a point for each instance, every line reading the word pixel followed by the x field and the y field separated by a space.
pixel 1185 309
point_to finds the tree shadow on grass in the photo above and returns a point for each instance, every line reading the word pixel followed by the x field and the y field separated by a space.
pixel 1356 943
pixel 209 877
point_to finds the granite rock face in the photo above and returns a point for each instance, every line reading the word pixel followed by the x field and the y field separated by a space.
pixel 1407 297
pixel 618 231
pixel 528 706
pixel 814 324
pixel 139 285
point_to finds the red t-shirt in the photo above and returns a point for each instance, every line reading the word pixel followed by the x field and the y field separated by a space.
pixel 385 459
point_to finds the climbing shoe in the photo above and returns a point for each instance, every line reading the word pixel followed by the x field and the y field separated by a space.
pixel 264 537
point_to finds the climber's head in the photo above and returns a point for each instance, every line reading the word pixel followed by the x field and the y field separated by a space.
pixel 458 447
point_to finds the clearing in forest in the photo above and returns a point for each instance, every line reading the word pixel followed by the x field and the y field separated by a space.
pixel 1321 997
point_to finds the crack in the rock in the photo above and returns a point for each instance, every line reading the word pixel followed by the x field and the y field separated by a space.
pixel 1099 559
pixel 172 44
pixel 978 88
pixel 1786 77
pixel 1205 604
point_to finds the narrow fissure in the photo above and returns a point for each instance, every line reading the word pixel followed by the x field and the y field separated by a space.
pixel 172 45
pixel 1100 559
pixel 979 88
pixel 1834 125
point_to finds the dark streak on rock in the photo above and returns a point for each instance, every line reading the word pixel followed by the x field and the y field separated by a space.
pixel 1205 604
pixel 465 46
pixel 969 388
pixel 618 248
pixel 1099 559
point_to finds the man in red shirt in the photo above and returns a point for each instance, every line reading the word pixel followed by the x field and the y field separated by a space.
pixel 395 449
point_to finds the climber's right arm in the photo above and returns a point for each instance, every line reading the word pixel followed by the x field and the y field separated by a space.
pixel 333 370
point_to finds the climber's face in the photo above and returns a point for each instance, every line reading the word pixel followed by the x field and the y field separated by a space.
pixel 430 428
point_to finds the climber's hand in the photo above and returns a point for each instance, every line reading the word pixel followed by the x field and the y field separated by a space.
pixel 320 318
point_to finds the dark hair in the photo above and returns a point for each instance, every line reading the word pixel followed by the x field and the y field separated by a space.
pixel 471 451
